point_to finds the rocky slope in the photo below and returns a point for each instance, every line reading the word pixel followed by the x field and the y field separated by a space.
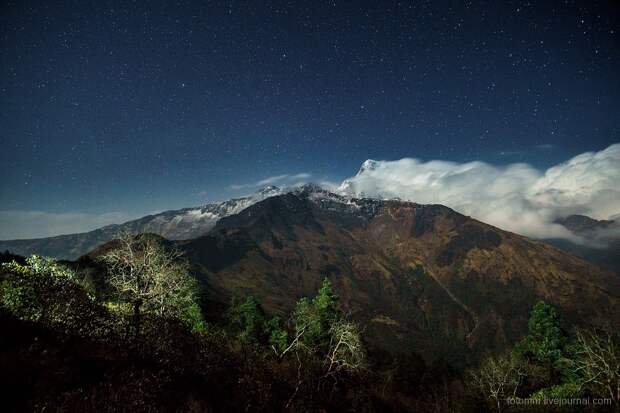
pixel 418 277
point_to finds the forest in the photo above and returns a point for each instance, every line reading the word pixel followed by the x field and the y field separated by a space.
pixel 129 331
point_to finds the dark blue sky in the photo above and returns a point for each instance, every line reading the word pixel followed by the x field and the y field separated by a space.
pixel 124 106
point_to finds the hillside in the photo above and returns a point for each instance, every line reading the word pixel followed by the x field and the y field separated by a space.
pixel 418 277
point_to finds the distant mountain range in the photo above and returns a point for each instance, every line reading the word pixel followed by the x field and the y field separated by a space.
pixel 601 240
pixel 417 277
pixel 183 223
pixel 602 245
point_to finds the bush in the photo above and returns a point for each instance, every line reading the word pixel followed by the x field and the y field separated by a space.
pixel 46 292
pixel 560 391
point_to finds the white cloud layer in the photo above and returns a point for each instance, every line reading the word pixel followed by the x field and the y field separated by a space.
pixel 39 224
pixel 515 197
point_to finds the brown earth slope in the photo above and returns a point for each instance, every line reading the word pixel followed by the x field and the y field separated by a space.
pixel 418 278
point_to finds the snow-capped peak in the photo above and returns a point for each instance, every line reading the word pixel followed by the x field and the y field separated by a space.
pixel 270 190
pixel 368 165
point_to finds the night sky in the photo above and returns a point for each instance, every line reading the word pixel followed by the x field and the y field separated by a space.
pixel 129 107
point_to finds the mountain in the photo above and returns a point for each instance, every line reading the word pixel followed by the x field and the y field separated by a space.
pixel 585 226
pixel 600 240
pixel 417 277
pixel 177 224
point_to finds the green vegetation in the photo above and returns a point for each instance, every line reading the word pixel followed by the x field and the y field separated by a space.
pixel 147 311
pixel 546 340
pixel 549 364
pixel 313 318
pixel 152 279
pixel 149 336
pixel 49 293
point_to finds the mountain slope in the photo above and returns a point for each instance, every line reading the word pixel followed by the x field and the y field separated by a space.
pixel 418 277
pixel 601 238
pixel 177 224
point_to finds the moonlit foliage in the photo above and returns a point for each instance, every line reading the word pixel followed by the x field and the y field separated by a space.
pixel 515 197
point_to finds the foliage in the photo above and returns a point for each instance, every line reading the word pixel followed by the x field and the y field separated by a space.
pixel 15 268
pixel 313 318
pixel 321 331
pixel 20 298
pixel 559 391
pixel 326 303
pixel 546 340
pixel 47 292
pixel 278 336
pixel 247 319
pixel 152 278
pixel 118 308
pixel 46 266
pixel 193 318
pixel 41 266
pixel 175 342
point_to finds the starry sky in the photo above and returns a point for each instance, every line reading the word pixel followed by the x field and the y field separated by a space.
pixel 117 109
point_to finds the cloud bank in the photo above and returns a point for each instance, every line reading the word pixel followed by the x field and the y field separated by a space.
pixel 515 197
pixel 29 224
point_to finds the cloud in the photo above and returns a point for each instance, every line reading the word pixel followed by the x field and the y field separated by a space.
pixel 516 197
pixel 38 224
pixel 273 180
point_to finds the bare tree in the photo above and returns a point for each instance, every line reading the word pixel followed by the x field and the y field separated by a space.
pixel 498 377
pixel 598 362
pixel 346 350
pixel 152 278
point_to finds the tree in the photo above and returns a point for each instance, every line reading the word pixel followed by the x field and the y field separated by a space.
pixel 321 330
pixel 597 361
pixel 247 318
pixel 498 378
pixel 313 318
pixel 326 303
pixel 277 335
pixel 153 279
pixel 346 350
pixel 546 340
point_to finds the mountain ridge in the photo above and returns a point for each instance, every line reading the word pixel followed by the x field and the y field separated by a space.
pixel 188 223
pixel 181 223
pixel 413 275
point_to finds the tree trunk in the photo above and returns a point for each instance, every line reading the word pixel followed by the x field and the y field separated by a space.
pixel 136 317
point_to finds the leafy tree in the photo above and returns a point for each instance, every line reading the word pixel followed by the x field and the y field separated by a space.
pixel 247 318
pixel 326 303
pixel 277 334
pixel 153 279
pixel 313 318
pixel 193 318
pixel 546 340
